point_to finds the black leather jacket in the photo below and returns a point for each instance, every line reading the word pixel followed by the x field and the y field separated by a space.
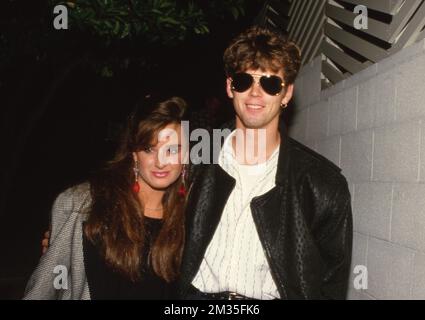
pixel 304 223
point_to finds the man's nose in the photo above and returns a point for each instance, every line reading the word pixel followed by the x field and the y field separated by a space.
pixel 255 89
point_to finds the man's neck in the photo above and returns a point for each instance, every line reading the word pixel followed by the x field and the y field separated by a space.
pixel 259 143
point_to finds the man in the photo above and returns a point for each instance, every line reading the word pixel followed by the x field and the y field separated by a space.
pixel 283 232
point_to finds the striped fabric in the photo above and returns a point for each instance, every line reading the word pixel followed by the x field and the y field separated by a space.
pixel 235 260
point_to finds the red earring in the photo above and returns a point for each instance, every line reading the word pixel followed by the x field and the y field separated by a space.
pixel 182 190
pixel 136 185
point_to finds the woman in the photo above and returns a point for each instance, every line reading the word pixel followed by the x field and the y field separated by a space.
pixel 120 235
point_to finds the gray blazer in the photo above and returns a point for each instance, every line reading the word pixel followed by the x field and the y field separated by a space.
pixel 65 250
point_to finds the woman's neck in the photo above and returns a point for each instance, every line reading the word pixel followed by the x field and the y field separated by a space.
pixel 152 201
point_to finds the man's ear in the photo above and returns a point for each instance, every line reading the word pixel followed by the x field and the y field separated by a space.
pixel 229 88
pixel 288 94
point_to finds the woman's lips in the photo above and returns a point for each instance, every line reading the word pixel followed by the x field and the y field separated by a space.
pixel 158 174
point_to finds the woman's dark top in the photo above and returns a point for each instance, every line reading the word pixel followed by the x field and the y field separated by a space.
pixel 105 283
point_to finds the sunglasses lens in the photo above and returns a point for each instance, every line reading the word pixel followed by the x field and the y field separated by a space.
pixel 272 85
pixel 241 82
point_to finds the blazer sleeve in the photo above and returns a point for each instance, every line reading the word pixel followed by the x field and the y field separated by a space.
pixel 60 273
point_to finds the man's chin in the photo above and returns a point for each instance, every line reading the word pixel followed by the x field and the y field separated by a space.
pixel 253 124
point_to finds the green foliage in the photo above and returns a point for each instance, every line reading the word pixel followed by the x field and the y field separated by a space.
pixel 165 21
pixel 111 35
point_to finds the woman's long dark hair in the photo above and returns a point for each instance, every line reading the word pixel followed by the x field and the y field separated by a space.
pixel 116 220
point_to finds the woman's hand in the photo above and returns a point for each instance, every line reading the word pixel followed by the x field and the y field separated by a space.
pixel 45 242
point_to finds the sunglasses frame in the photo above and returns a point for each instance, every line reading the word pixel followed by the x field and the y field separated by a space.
pixel 258 76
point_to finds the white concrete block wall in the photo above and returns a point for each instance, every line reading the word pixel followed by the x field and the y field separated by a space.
pixel 372 125
pixel 374 108
pixel 357 147
pixel 418 288
pixel 390 270
pixel 372 206
pixel 331 149
pixel 408 216
pixel 318 119
pixel 410 89
pixel 396 152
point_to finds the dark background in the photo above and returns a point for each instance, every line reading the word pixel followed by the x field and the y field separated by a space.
pixel 59 118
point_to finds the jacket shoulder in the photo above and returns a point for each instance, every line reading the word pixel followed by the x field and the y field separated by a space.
pixel 321 174
pixel 74 199
pixel 310 158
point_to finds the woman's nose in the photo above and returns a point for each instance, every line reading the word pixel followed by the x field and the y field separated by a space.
pixel 162 157
pixel 160 161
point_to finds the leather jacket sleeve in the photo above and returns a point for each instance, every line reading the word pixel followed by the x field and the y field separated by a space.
pixel 335 243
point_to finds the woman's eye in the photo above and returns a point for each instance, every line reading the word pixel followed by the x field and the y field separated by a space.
pixel 173 149
pixel 148 150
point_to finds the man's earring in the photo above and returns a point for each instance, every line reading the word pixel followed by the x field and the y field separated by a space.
pixel 284 105
pixel 136 185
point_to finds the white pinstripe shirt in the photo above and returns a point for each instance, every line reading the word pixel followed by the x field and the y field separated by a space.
pixel 235 259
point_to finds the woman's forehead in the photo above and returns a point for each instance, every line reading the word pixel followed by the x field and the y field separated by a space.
pixel 169 134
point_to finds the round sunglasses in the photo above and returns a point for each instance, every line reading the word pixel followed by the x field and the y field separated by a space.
pixel 271 84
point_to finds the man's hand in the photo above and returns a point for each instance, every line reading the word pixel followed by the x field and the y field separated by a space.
pixel 45 242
